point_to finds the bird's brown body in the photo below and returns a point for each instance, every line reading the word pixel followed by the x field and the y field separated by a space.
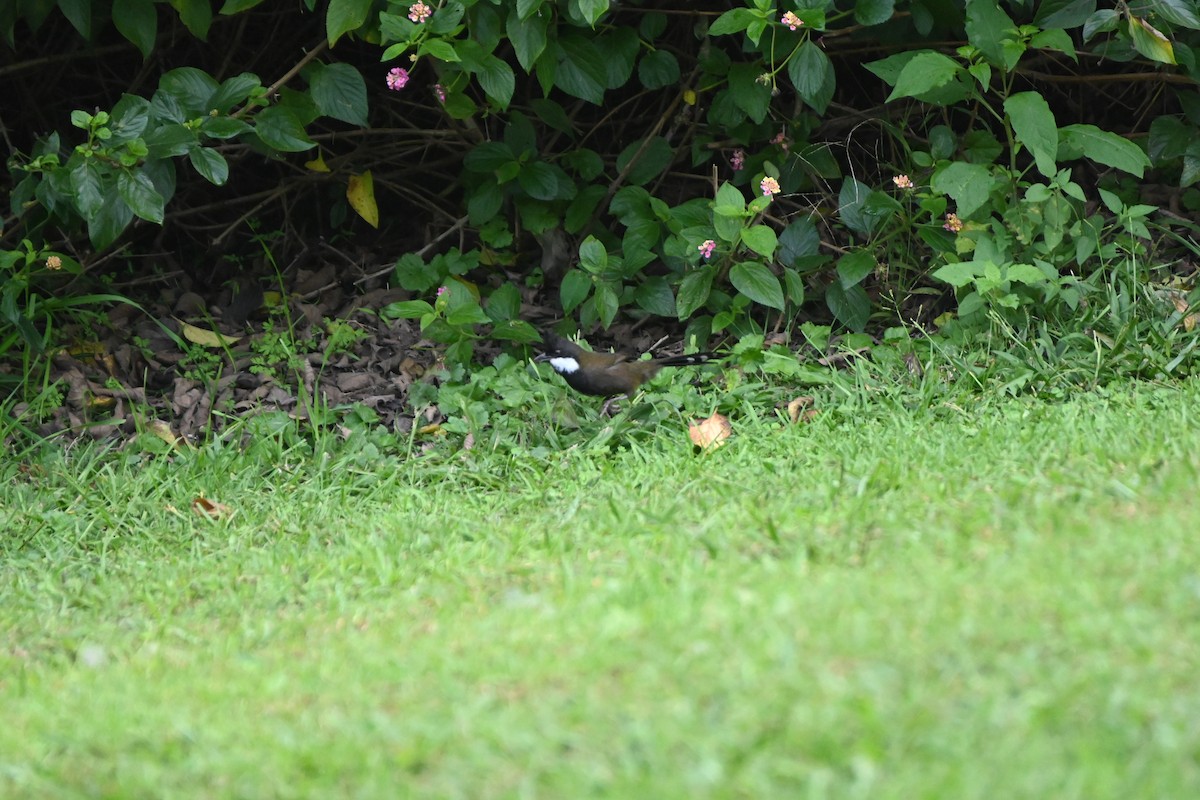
pixel 605 374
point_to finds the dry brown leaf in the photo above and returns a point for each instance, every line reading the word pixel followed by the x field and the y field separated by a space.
pixel 798 405
pixel 1179 300
pixel 711 432
pixel 211 510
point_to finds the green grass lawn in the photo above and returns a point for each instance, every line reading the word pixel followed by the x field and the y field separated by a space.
pixel 998 600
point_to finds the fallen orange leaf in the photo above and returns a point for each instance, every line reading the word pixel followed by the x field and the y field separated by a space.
pixel 711 432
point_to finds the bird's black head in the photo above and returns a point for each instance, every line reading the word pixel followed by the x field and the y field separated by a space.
pixel 563 354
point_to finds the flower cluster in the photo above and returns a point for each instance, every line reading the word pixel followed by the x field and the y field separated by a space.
pixel 769 186
pixel 902 182
pixel 953 223
pixel 791 20
pixel 707 247
pixel 397 77
pixel 419 12
pixel 440 91
pixel 53 262
pixel 738 159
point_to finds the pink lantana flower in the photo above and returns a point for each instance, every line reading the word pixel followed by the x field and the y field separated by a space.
pixel 397 77
pixel 738 159
pixel 769 186
pixel 953 223
pixel 419 12
pixel 902 182
pixel 440 91
pixel 791 20
pixel 706 248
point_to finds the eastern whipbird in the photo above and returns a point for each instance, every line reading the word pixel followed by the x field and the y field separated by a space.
pixel 610 375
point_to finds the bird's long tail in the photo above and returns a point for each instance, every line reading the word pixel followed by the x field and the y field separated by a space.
pixel 683 361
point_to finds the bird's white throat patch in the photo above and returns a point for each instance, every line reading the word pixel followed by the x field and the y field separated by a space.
pixel 564 365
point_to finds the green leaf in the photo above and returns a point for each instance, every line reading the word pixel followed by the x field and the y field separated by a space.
pixel 1105 20
pixel 1059 14
pixel 467 314
pixel 504 302
pixel 79 14
pixel 1054 39
pixel 85 182
pixel 761 239
pixel 439 49
pixel 581 70
pixel 606 304
pixel 1027 274
pixel 851 307
pixel 655 158
pixel 210 164
pixel 528 37
pixel 924 72
pixel 812 74
pixel 733 21
pixel 109 221
pixel 658 70
pixel 279 129
pixel 237 6
pixel 873 12
pixel 800 238
pixel 576 286
pixel 591 11
pixel 169 141
pixel 497 79
pixel 655 296
pixel 129 118
pixel 968 184
pixel 516 330
pixel 406 309
pixel 794 286
pixel 196 15
pixel 223 127
pixel 960 274
pixel 583 207
pixel 694 291
pixel 138 192
pixel 190 87
pixel 758 283
pixel 1102 147
pixel 855 266
pixel 539 180
pixel 988 28
pixel 233 91
pixel 749 95
pixel 593 256
pixel 137 21
pixel 344 16
pixel 1034 126
pixel 340 92
pixel 527 8
pixel 1177 12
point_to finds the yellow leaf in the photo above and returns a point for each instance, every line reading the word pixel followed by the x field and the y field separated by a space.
pixel 163 431
pixel 361 194
pixel 317 164
pixel 205 338
pixel 689 97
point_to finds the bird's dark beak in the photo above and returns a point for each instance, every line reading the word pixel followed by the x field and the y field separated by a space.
pixel 542 357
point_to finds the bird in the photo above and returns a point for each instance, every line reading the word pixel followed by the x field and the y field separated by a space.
pixel 609 375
